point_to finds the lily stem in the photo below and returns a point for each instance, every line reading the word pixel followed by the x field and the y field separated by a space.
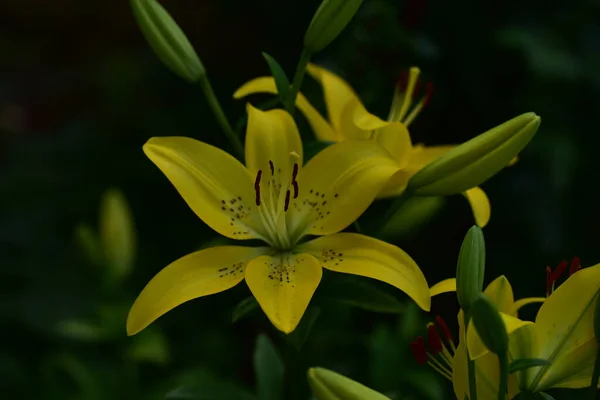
pixel 297 81
pixel 217 110
pixel 470 363
pixel 388 217
pixel 503 385
pixel 595 374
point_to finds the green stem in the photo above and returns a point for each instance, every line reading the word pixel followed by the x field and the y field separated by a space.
pixel 594 385
pixel 470 363
pixel 297 82
pixel 215 106
pixel 503 386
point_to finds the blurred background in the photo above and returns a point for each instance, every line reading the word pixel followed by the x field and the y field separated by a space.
pixel 81 91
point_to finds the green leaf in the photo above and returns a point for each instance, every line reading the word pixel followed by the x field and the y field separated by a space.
pixel 243 308
pixel 201 384
pixel 300 334
pixel 365 295
pixel 81 330
pixel 281 80
pixel 524 363
pixel 269 369
pixel 149 346
pixel 546 396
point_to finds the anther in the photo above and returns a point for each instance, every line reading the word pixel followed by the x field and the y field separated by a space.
pixel 575 265
pixel 272 167
pixel 442 324
pixel 257 186
pixel 433 339
pixel 295 172
pixel 295 185
pixel 402 81
pixel 418 349
pixel 287 200
pixel 428 93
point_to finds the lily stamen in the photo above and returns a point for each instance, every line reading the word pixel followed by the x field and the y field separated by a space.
pixel 407 87
pixel 439 357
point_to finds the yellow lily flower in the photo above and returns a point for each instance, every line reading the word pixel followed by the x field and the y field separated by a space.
pixel 276 199
pixel 450 360
pixel 349 119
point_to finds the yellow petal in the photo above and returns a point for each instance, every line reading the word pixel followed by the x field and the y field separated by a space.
pixel 272 136
pixel 338 93
pixel 524 343
pixel 392 136
pixel 337 185
pixel 197 274
pixel 445 286
pixel 500 292
pixel 215 185
pixel 476 347
pixel 283 286
pixel 523 302
pixel 572 370
pixel 480 205
pixel 565 322
pixel 423 155
pixel 486 375
pixel 320 126
pixel 356 254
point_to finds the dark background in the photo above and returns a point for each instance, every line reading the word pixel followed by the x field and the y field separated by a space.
pixel 81 91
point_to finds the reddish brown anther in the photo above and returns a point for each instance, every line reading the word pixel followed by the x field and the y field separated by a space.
pixel 433 339
pixel 418 349
pixel 428 93
pixel 257 186
pixel 553 276
pixel 575 265
pixel 442 324
pixel 402 81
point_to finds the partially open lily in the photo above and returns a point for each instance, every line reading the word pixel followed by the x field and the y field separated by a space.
pixel 450 359
pixel 349 119
pixel 276 199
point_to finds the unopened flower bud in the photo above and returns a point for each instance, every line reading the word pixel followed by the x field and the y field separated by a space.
pixel 329 385
pixel 470 268
pixel 490 325
pixel 327 23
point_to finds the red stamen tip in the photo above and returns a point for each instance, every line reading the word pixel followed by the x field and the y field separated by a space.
pixel 402 81
pixel 433 339
pixel 428 93
pixel 575 265
pixel 442 324
pixel 560 269
pixel 418 349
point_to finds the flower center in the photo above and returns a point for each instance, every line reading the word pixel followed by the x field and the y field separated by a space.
pixel 407 87
pixel 274 189
pixel 439 356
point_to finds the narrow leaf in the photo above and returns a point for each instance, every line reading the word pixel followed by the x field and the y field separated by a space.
pixel 268 367
pixel 243 308
pixel 546 396
pixel 281 80
pixel 524 363
pixel 365 295
pixel 300 334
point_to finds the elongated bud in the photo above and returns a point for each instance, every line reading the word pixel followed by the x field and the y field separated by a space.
pixel 117 233
pixel 470 268
pixel 474 162
pixel 167 40
pixel 329 385
pixel 490 325
pixel 327 23
pixel 89 243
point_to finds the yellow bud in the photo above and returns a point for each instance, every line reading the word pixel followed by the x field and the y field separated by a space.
pixel 167 40
pixel 117 233
pixel 477 160
pixel 327 23
pixel 329 385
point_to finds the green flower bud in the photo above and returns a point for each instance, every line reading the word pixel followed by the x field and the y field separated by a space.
pixel 473 162
pixel 327 23
pixel 470 268
pixel 167 40
pixel 89 243
pixel 490 325
pixel 597 321
pixel 329 385
pixel 117 233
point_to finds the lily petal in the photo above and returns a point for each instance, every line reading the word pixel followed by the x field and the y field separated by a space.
pixel 524 343
pixel 565 322
pixel 523 302
pixel 272 136
pixel 480 204
pixel 283 286
pixel 573 370
pixel 474 344
pixel 337 185
pixel 445 286
pixel 423 155
pixel 486 375
pixel 338 94
pixel 266 84
pixel 500 292
pixel 198 274
pixel 356 254
pixel 217 187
